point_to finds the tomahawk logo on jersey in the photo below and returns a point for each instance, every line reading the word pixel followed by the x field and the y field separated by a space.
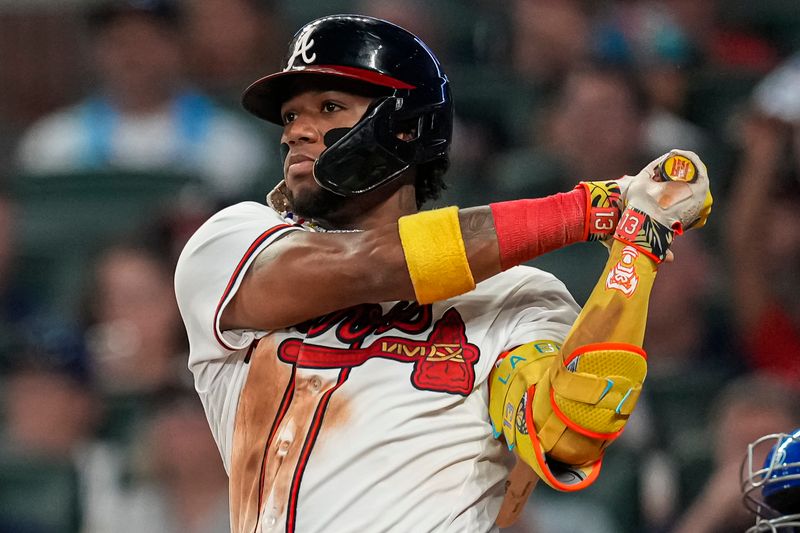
pixel 443 362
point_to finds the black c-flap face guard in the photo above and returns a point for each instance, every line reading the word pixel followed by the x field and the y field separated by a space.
pixel 367 156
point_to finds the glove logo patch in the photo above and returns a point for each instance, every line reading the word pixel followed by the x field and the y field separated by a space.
pixel 623 277
pixel 678 168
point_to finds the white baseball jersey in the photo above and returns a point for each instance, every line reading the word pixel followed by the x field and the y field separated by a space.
pixel 373 418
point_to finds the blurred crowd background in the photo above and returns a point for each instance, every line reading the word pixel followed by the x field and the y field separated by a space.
pixel 121 132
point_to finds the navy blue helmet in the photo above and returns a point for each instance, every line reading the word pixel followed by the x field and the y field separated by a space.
pixel 413 96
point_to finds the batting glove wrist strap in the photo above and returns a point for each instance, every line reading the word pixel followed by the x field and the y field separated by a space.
pixel 647 235
pixel 603 205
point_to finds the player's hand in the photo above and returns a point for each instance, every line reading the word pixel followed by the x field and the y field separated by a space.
pixel 669 195
pixel 674 190
pixel 605 205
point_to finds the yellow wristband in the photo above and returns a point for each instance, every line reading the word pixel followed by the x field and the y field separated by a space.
pixel 435 254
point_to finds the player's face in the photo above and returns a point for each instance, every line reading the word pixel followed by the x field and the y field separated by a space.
pixel 307 117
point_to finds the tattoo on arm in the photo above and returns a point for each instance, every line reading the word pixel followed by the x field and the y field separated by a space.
pixel 480 241
pixel 477 223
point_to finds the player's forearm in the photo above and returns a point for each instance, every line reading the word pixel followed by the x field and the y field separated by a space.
pixel 480 241
pixel 447 253
pixel 428 256
pixel 308 274
pixel 616 311
pixel 568 403
pixel 506 234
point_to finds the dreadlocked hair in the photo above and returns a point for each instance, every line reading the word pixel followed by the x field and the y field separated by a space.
pixel 429 183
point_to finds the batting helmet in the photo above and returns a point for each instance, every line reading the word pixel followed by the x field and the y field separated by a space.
pixel 773 492
pixel 414 98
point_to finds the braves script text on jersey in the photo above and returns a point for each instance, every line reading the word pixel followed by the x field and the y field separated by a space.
pixel 373 418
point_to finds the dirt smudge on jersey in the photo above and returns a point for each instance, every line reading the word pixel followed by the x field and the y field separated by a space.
pixel 258 406
pixel 338 411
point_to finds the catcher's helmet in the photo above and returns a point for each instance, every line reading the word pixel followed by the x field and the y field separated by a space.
pixel 773 492
pixel 380 55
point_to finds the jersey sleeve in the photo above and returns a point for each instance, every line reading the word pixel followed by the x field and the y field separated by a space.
pixel 210 271
pixel 540 308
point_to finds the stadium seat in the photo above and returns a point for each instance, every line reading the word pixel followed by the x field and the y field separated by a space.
pixel 38 496
pixel 65 219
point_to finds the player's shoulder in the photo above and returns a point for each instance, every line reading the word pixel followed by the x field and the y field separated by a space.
pixel 244 220
pixel 245 213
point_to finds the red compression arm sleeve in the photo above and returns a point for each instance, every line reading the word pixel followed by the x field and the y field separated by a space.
pixel 529 228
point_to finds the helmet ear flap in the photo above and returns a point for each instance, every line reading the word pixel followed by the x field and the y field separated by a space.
pixel 381 146
pixel 367 156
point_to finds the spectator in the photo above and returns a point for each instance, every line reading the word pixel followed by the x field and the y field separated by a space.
pixel 50 408
pixel 645 37
pixel 48 450
pixel 593 130
pixel 550 39
pixel 745 410
pixel 722 46
pixel 144 116
pixel 229 42
pixel 177 483
pixel 764 224
pixel 698 340
pixel 135 336
pixel 596 130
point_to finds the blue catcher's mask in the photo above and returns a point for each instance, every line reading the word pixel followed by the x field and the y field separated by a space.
pixel 772 492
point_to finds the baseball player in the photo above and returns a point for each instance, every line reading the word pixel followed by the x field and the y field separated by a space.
pixel 366 366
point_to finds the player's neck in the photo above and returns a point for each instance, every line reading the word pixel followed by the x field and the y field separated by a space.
pixel 367 212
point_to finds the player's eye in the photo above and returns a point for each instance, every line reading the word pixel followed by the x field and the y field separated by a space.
pixel 288 117
pixel 330 107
